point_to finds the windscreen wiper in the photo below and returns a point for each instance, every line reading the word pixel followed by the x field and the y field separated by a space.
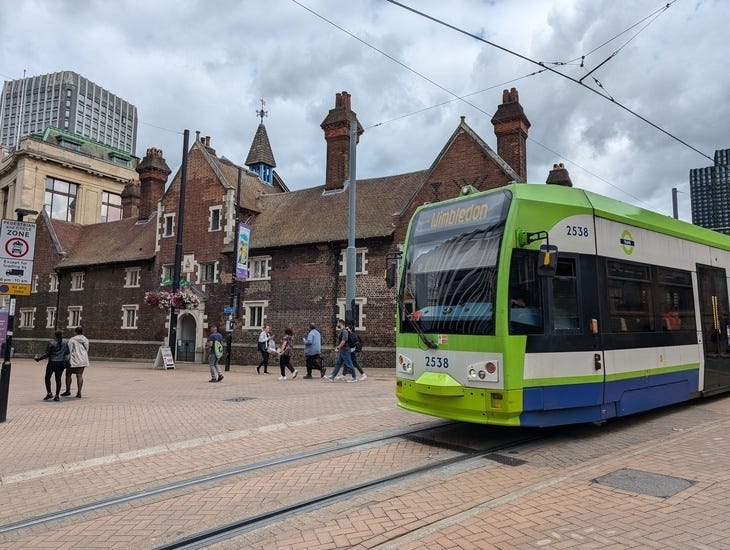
pixel 416 326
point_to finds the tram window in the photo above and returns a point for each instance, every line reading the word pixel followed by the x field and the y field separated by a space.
pixel 565 296
pixel 675 300
pixel 525 302
pixel 629 297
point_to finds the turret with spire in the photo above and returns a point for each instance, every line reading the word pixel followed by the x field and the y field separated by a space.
pixel 260 158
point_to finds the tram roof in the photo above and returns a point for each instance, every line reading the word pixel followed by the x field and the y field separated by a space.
pixel 619 211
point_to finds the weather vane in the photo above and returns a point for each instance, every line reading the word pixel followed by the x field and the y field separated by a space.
pixel 261 114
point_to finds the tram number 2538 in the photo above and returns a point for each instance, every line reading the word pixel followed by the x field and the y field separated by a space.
pixel 437 362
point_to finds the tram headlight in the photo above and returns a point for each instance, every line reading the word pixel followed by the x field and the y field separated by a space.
pixel 405 364
pixel 483 372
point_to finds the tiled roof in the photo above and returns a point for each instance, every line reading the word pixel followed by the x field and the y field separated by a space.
pixel 310 216
pixel 104 243
pixel 260 149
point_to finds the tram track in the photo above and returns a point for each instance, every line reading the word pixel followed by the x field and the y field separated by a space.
pixel 231 530
pixel 207 478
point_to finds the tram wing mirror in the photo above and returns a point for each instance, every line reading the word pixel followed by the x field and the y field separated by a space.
pixel 547 260
pixel 391 269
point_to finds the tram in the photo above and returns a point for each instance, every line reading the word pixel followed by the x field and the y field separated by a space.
pixel 543 305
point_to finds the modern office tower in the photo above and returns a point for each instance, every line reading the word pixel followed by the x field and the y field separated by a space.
pixel 70 102
pixel 710 193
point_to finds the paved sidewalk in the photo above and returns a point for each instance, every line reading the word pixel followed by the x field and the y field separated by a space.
pixel 137 428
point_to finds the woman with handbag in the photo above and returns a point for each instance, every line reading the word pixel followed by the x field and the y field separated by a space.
pixel 287 347
pixel 57 353
pixel 263 347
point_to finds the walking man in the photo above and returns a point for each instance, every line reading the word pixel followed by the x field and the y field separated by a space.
pixel 56 352
pixel 78 347
pixel 312 351
pixel 343 353
pixel 214 344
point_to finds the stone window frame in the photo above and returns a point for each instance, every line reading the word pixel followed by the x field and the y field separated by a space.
pixel 260 260
pixel 217 208
pixel 201 268
pixel 127 309
pixel 51 317
pixel 361 252
pixel 53 282
pixel 34 284
pixel 246 310
pixel 132 277
pixel 27 317
pixel 168 225
pixel 361 302
pixel 77 281
pixel 70 317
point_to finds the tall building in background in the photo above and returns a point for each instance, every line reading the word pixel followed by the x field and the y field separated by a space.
pixel 70 102
pixel 710 193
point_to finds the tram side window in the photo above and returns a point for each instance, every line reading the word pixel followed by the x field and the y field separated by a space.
pixel 525 296
pixel 629 297
pixel 565 296
pixel 675 300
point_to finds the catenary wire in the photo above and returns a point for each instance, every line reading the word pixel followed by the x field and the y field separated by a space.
pixel 552 70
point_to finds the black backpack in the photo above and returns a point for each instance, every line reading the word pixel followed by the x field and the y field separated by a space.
pixel 351 340
pixel 358 345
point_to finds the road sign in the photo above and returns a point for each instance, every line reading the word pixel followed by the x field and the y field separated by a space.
pixel 16 271
pixel 229 309
pixel 16 289
pixel 17 240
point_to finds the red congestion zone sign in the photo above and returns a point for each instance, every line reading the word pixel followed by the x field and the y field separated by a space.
pixel 17 247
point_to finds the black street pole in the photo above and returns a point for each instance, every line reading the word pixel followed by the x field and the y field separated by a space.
pixel 179 243
pixel 234 264
pixel 5 371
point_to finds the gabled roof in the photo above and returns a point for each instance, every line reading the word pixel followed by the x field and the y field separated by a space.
pixel 488 151
pixel 260 151
pixel 102 243
pixel 311 216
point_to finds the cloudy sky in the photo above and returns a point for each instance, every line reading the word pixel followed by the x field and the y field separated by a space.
pixel 204 65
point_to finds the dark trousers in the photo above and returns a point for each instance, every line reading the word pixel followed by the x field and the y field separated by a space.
pixel 353 358
pixel 285 363
pixel 54 368
pixel 313 364
pixel 264 359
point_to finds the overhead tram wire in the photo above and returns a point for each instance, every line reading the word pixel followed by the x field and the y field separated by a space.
pixel 552 70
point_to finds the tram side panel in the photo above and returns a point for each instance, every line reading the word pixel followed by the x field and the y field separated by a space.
pixel 649 320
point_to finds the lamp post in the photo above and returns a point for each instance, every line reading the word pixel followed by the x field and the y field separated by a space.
pixel 5 371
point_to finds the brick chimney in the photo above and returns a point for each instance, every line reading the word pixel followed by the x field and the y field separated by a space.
pixel 336 128
pixel 559 176
pixel 130 200
pixel 510 127
pixel 153 172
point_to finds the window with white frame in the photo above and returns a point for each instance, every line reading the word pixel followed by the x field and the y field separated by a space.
pixel 259 267
pixel 207 272
pixel 131 277
pixel 4 301
pixel 27 317
pixel 361 262
pixel 77 280
pixel 34 284
pixel 74 316
pixel 168 270
pixel 254 314
pixel 168 225
pixel 359 312
pixel 50 317
pixel 129 316
pixel 53 282
pixel 214 219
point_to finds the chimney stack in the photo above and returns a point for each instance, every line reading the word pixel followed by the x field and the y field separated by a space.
pixel 336 128
pixel 130 200
pixel 559 176
pixel 153 172
pixel 510 127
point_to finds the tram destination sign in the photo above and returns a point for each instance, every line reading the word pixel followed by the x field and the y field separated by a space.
pixel 17 247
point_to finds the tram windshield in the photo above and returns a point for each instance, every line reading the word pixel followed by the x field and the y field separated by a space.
pixel 450 277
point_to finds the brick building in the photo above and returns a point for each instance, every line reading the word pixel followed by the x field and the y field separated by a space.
pixel 298 243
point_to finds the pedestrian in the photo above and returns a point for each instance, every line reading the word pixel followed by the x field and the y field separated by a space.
pixel 215 350
pixel 78 348
pixel 355 343
pixel 343 354
pixel 285 351
pixel 313 352
pixel 57 354
pixel 263 347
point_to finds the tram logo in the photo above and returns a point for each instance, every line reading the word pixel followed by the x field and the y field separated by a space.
pixel 627 242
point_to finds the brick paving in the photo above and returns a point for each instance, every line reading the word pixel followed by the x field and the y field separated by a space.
pixel 137 428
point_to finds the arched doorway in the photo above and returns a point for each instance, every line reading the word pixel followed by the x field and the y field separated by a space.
pixel 186 338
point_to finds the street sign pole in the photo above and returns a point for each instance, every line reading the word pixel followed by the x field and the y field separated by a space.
pixel 5 371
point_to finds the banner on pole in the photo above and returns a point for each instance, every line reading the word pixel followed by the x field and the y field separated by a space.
pixel 243 238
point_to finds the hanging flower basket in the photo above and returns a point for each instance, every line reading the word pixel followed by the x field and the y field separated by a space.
pixel 182 299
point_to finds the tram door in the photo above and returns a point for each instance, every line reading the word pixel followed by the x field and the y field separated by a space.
pixel 715 326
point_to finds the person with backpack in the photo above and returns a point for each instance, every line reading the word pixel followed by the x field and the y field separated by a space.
pixel 355 343
pixel 57 354
pixel 343 354
pixel 215 352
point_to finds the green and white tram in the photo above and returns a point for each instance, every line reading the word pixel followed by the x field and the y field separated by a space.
pixel 540 305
